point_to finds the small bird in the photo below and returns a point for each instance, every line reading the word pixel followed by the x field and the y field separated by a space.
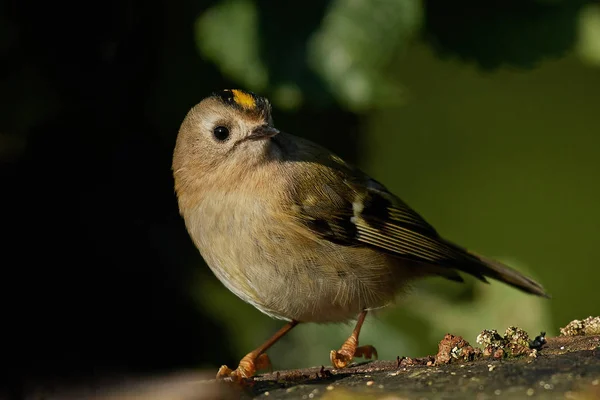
pixel 302 235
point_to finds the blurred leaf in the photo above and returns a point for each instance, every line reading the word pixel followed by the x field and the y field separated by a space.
pixel 287 96
pixel 518 33
pixel 356 42
pixel 588 45
pixel 332 50
pixel 285 29
pixel 227 34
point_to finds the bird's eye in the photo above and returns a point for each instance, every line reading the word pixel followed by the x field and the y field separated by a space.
pixel 221 133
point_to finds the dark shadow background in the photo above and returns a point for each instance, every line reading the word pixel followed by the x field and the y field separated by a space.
pixel 95 258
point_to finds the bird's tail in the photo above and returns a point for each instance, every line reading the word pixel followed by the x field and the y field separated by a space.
pixel 503 273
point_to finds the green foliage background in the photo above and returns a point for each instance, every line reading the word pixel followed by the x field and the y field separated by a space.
pixel 483 116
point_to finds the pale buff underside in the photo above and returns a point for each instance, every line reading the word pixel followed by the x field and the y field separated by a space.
pixel 317 281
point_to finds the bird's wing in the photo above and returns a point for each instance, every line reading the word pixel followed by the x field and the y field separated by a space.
pixel 340 203
pixel 349 208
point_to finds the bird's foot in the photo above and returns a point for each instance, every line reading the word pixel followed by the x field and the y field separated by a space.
pixel 247 367
pixel 343 357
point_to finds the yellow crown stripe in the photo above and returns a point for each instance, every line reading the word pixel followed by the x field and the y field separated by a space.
pixel 243 99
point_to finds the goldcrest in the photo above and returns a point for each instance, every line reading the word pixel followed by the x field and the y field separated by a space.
pixel 299 233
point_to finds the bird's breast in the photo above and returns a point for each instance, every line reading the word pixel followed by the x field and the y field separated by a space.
pixel 269 260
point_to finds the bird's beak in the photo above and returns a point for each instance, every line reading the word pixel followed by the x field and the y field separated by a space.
pixel 262 132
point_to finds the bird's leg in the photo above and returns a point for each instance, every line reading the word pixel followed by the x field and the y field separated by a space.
pixel 256 359
pixel 350 348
